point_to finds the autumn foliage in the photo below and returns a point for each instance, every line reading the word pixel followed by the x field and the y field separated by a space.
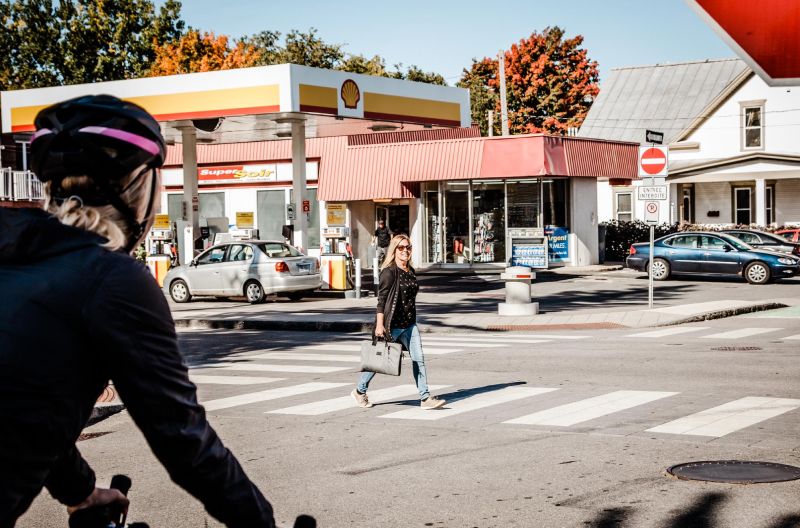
pixel 196 52
pixel 550 84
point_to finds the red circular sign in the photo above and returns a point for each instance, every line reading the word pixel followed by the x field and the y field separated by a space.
pixel 652 207
pixel 653 161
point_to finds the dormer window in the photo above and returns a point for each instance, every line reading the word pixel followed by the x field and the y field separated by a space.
pixel 752 125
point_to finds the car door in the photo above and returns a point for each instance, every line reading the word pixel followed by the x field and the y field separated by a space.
pixel 718 255
pixel 204 276
pixel 235 269
pixel 683 254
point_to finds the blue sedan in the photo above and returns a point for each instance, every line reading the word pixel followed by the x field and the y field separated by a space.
pixel 709 252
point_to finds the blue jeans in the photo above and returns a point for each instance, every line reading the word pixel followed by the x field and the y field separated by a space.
pixel 410 339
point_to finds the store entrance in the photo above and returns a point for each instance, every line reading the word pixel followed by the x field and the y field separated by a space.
pixel 396 217
pixel 456 223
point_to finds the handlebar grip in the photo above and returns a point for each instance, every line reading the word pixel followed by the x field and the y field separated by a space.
pixel 106 515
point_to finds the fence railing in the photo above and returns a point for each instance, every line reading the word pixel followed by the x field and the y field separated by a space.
pixel 19 185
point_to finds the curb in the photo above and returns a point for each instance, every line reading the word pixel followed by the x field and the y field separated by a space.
pixel 298 326
pixel 722 314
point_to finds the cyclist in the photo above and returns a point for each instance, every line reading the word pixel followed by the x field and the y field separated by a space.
pixel 78 310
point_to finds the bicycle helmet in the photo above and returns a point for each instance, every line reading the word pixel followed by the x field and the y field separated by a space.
pixel 104 138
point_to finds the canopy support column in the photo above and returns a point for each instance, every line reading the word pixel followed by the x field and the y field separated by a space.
pixel 190 204
pixel 299 191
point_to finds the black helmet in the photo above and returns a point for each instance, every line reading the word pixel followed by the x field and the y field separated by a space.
pixel 102 137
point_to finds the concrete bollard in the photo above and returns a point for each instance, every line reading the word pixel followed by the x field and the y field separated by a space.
pixel 518 292
pixel 358 278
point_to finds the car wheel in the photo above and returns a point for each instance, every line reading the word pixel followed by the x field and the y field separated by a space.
pixel 179 292
pixel 660 269
pixel 253 292
pixel 757 273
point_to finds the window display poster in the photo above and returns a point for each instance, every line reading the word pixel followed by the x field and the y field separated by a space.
pixel 558 240
pixel 528 253
pixel 336 214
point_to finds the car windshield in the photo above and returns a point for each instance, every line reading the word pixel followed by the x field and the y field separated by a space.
pixel 278 250
pixel 735 242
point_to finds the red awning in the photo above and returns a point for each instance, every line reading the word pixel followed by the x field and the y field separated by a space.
pixel 394 170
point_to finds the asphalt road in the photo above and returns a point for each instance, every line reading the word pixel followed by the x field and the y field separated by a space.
pixel 553 429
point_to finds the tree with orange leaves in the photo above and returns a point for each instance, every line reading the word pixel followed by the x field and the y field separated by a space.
pixel 550 83
pixel 196 52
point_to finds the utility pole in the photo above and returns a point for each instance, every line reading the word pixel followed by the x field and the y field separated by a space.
pixel 491 123
pixel 501 60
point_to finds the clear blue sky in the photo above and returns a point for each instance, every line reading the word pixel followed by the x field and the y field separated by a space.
pixel 444 35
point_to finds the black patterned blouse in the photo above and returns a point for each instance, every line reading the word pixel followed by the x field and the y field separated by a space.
pixel 405 312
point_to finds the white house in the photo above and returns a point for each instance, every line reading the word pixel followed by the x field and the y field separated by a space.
pixel 734 142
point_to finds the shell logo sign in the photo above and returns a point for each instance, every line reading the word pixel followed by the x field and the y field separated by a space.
pixel 350 93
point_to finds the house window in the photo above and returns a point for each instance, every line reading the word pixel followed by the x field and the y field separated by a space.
pixel 753 125
pixel 624 207
pixel 742 209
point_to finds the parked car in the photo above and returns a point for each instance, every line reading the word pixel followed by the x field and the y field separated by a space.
pixel 762 240
pixel 254 268
pixel 792 235
pixel 707 253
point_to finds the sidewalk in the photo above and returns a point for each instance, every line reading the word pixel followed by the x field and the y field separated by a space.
pixel 468 303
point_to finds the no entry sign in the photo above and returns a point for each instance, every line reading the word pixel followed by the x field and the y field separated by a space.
pixel 653 161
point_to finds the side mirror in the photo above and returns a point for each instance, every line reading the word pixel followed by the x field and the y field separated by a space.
pixel 193 263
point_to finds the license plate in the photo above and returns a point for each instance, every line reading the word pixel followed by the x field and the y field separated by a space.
pixel 305 268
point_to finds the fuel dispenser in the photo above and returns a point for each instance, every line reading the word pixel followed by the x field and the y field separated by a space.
pixel 161 248
pixel 336 259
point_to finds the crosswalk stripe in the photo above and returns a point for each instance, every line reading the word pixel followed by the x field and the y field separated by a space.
pixel 344 347
pixel 793 337
pixel 470 403
pixel 590 408
pixel 306 357
pixel 481 343
pixel 674 330
pixel 505 336
pixel 268 367
pixel 727 418
pixel 231 380
pixel 741 332
pixel 346 402
pixel 271 394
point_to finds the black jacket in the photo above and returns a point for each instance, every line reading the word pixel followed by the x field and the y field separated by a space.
pixel 74 315
pixel 388 292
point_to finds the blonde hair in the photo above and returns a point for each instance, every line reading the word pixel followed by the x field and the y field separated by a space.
pixel 104 220
pixel 389 259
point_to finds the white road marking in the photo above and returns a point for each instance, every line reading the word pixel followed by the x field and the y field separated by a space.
pixel 306 357
pixel 267 367
pixel 590 408
pixel 428 351
pixel 480 343
pixel 740 333
pixel 793 337
pixel 271 394
pixel 347 402
pixel 727 418
pixel 231 380
pixel 674 330
pixel 504 336
pixel 470 403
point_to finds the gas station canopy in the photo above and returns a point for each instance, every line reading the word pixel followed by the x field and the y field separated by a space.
pixel 256 104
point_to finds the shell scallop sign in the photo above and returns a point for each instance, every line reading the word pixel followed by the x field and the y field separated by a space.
pixel 351 102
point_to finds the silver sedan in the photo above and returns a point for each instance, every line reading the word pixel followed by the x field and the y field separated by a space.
pixel 254 268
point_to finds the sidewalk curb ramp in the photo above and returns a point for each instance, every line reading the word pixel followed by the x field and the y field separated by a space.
pixel 722 314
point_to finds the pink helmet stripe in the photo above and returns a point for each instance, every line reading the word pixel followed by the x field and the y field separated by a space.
pixel 39 133
pixel 134 139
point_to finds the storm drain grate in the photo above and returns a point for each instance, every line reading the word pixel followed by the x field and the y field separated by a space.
pixel 735 471
pixel 737 349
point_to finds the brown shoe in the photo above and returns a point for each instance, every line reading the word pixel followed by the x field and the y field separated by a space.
pixel 361 399
pixel 431 402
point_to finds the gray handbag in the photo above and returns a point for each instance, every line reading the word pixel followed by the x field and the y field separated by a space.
pixel 381 356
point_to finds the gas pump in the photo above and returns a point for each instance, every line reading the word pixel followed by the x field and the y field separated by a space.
pixel 336 259
pixel 161 250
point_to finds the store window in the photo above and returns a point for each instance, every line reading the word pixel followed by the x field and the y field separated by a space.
pixel 524 203
pixel 623 204
pixel 271 213
pixel 456 222
pixel 752 125
pixel 434 226
pixel 488 222
pixel 554 194
pixel 212 205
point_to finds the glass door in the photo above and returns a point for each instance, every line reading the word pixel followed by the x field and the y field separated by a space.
pixel 456 222
pixel 488 221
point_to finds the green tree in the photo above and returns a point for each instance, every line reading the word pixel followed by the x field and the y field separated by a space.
pixel 77 41
pixel 550 84
pixel 310 50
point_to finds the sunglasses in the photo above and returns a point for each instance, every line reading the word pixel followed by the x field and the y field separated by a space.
pixel 407 247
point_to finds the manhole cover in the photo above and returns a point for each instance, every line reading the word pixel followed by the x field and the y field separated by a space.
pixel 735 471
pixel 737 349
